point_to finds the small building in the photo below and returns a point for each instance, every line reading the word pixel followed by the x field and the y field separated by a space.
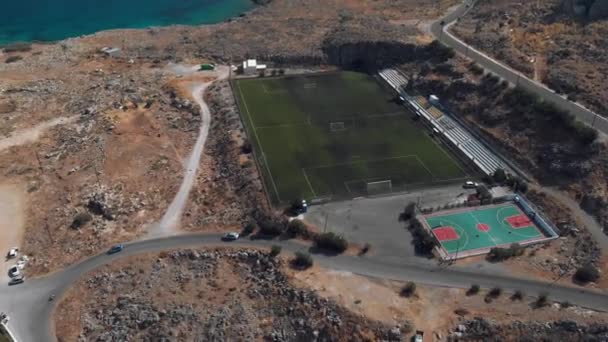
pixel 111 51
pixel 251 67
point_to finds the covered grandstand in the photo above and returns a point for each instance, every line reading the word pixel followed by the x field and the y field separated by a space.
pixel 485 159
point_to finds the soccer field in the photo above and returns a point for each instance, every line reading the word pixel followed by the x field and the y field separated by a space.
pixel 474 229
pixel 329 135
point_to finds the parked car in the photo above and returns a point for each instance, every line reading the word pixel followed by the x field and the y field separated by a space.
pixel 470 185
pixel 116 248
pixel 12 253
pixel 230 236
pixel 419 336
pixel 16 280
pixel 14 271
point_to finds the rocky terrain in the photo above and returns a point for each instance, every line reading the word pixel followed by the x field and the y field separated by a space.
pixel 562 43
pixel 114 166
pixel 553 150
pixel 213 295
pixel 481 329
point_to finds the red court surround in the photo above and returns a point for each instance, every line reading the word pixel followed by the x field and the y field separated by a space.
pixel 519 221
pixel 446 234
pixel 483 227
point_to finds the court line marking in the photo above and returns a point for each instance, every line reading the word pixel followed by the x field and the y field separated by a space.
pixel 258 140
pixel 507 226
pixel 462 231
pixel 309 184
pixel 488 232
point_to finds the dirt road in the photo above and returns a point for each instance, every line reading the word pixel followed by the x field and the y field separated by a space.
pixel 170 221
pixel 12 206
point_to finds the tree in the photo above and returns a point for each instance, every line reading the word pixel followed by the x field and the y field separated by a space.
pixel 495 292
pixel 271 227
pixel 408 213
pixel 302 260
pixel 499 176
pixel 587 273
pixel 296 228
pixel 517 295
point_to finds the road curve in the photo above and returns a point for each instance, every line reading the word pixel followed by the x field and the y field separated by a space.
pixel 31 311
pixel 442 33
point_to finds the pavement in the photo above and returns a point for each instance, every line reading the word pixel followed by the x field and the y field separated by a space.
pixel 376 220
pixel 442 33
pixel 31 311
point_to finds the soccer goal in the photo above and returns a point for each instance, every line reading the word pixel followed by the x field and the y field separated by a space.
pixel 337 126
pixel 379 187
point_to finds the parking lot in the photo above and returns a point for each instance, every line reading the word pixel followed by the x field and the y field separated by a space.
pixel 376 220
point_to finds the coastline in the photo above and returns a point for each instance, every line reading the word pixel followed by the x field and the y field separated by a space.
pixel 200 17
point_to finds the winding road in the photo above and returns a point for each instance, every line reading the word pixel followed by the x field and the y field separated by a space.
pixel 31 312
pixel 440 29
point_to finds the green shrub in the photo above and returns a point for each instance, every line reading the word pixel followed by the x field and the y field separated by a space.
pixel 475 68
pixel 332 242
pixel 495 292
pixel 497 254
pixel 499 176
pixel 542 300
pixel 271 227
pixel 302 260
pixel 423 241
pixel 586 274
pixel 275 250
pixel 249 228
pixel 296 228
pixel 473 290
pixel 80 220
pixel 408 289
pixel 517 295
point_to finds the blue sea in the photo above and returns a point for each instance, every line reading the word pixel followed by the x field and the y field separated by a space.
pixel 50 20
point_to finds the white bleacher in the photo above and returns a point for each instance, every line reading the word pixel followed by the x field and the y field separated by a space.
pixel 485 159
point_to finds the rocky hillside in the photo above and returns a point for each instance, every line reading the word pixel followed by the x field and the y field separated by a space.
pixel 543 40
pixel 210 295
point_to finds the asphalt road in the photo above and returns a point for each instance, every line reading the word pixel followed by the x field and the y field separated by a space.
pixel 31 311
pixel 441 32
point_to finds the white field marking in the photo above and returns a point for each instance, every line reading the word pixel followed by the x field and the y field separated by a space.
pixel 359 162
pixel 286 125
pixel 309 184
pixel 267 91
pixel 348 189
pixel 426 168
pixel 258 140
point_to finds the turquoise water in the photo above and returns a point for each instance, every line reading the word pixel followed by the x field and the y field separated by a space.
pixel 48 20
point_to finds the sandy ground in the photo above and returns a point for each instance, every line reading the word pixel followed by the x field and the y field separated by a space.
pixel 431 309
pixel 12 206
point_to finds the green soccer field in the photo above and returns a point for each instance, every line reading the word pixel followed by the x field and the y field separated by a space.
pixel 331 134
pixel 479 228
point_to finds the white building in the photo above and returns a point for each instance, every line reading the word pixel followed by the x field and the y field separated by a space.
pixel 251 67
pixel 111 51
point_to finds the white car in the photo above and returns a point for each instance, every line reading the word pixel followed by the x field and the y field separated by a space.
pixel 12 253
pixel 470 185
pixel 230 236
pixel 14 271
